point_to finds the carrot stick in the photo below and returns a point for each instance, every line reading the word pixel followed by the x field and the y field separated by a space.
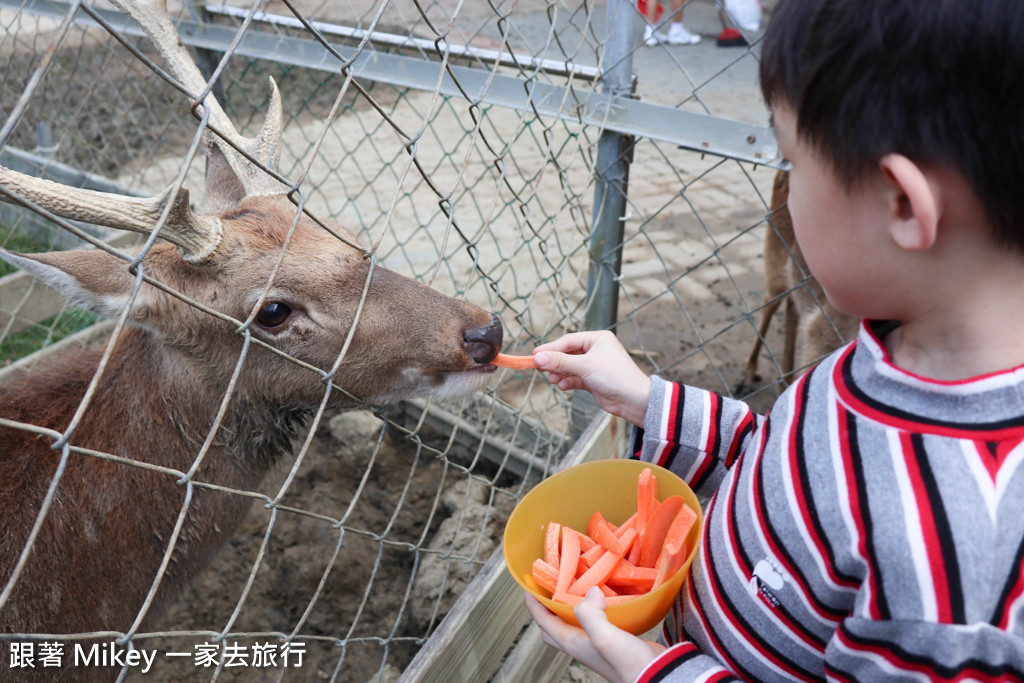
pixel 609 541
pixel 628 524
pixel 646 501
pixel 619 546
pixel 596 575
pixel 588 558
pixel 551 543
pixel 568 598
pixel 675 537
pixel 545 575
pixel 504 360
pixel 626 574
pixel 596 520
pixel 657 528
pixel 674 551
pixel 586 542
pixel 646 498
pixel 568 561
pixel 668 563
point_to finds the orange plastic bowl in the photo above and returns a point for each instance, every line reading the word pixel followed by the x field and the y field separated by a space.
pixel 570 497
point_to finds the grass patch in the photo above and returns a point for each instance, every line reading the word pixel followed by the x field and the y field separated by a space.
pixel 46 332
pixel 12 241
pixel 42 334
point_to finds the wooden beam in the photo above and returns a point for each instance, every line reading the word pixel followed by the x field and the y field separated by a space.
pixel 475 636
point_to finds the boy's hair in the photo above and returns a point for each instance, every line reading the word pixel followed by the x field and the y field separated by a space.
pixel 938 81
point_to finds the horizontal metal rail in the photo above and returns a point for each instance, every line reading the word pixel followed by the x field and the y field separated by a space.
pixel 690 130
pixel 503 57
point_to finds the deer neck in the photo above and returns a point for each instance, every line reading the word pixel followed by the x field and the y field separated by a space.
pixel 159 405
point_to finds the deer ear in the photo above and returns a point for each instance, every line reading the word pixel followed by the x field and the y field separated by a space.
pixel 89 278
pixel 224 191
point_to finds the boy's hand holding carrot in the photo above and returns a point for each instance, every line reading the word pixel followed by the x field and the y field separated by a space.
pixel 597 363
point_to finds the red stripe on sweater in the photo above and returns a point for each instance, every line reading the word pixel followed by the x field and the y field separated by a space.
pixel 910 423
pixel 709 444
pixel 746 424
pixel 929 531
pixel 843 426
pixel 673 417
pixel 667 660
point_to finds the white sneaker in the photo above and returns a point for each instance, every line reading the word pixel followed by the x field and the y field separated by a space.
pixel 652 37
pixel 746 13
pixel 678 35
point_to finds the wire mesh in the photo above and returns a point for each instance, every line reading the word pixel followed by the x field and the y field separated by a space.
pixel 352 551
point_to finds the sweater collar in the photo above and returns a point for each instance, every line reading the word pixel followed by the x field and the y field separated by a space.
pixel 989 407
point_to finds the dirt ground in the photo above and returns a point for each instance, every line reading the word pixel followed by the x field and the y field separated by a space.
pixel 363 614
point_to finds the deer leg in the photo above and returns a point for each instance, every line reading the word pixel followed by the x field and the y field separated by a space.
pixel 750 376
pixel 789 349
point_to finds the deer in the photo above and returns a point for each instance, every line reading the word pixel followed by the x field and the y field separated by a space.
pixel 813 326
pixel 236 321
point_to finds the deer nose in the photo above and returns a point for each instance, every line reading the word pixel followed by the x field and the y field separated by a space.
pixel 482 343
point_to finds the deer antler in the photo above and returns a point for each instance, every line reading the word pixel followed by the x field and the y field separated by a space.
pixel 196 236
pixel 265 149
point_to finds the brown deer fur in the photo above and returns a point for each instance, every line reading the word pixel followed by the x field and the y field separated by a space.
pixel 813 327
pixel 108 528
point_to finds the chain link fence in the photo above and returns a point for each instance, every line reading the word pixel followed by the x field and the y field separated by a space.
pixel 533 158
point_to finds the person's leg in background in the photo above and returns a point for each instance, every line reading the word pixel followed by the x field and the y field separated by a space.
pixel 677 33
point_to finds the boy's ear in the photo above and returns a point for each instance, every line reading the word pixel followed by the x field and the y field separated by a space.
pixel 915 209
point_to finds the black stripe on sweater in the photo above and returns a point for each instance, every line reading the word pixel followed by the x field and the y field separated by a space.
pixel 857 463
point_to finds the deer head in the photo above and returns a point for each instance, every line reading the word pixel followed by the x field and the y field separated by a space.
pixel 255 261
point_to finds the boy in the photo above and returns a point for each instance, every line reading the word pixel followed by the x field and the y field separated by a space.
pixel 871 526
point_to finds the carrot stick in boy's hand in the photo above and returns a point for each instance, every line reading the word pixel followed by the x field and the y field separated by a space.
pixel 504 360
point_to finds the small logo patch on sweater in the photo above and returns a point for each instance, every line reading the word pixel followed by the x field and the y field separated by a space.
pixel 766 580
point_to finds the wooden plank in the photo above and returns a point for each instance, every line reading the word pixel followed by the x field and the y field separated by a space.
pixel 532 660
pixel 485 621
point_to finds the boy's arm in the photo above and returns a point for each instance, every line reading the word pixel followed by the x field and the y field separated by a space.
pixel 873 650
pixel 695 433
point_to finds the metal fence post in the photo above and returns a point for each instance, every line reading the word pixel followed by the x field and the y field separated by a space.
pixel 614 152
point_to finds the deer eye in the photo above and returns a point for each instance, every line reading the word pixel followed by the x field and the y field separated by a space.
pixel 273 314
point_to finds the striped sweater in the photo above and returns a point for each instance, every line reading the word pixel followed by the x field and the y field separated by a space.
pixel 870 527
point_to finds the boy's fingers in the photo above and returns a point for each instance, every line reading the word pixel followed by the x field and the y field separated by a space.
pixel 559 363
pixel 594 621
pixel 590 613
pixel 572 342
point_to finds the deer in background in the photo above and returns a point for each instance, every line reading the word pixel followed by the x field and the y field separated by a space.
pixel 813 326
pixel 178 395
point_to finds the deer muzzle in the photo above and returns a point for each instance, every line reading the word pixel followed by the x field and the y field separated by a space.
pixel 483 343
